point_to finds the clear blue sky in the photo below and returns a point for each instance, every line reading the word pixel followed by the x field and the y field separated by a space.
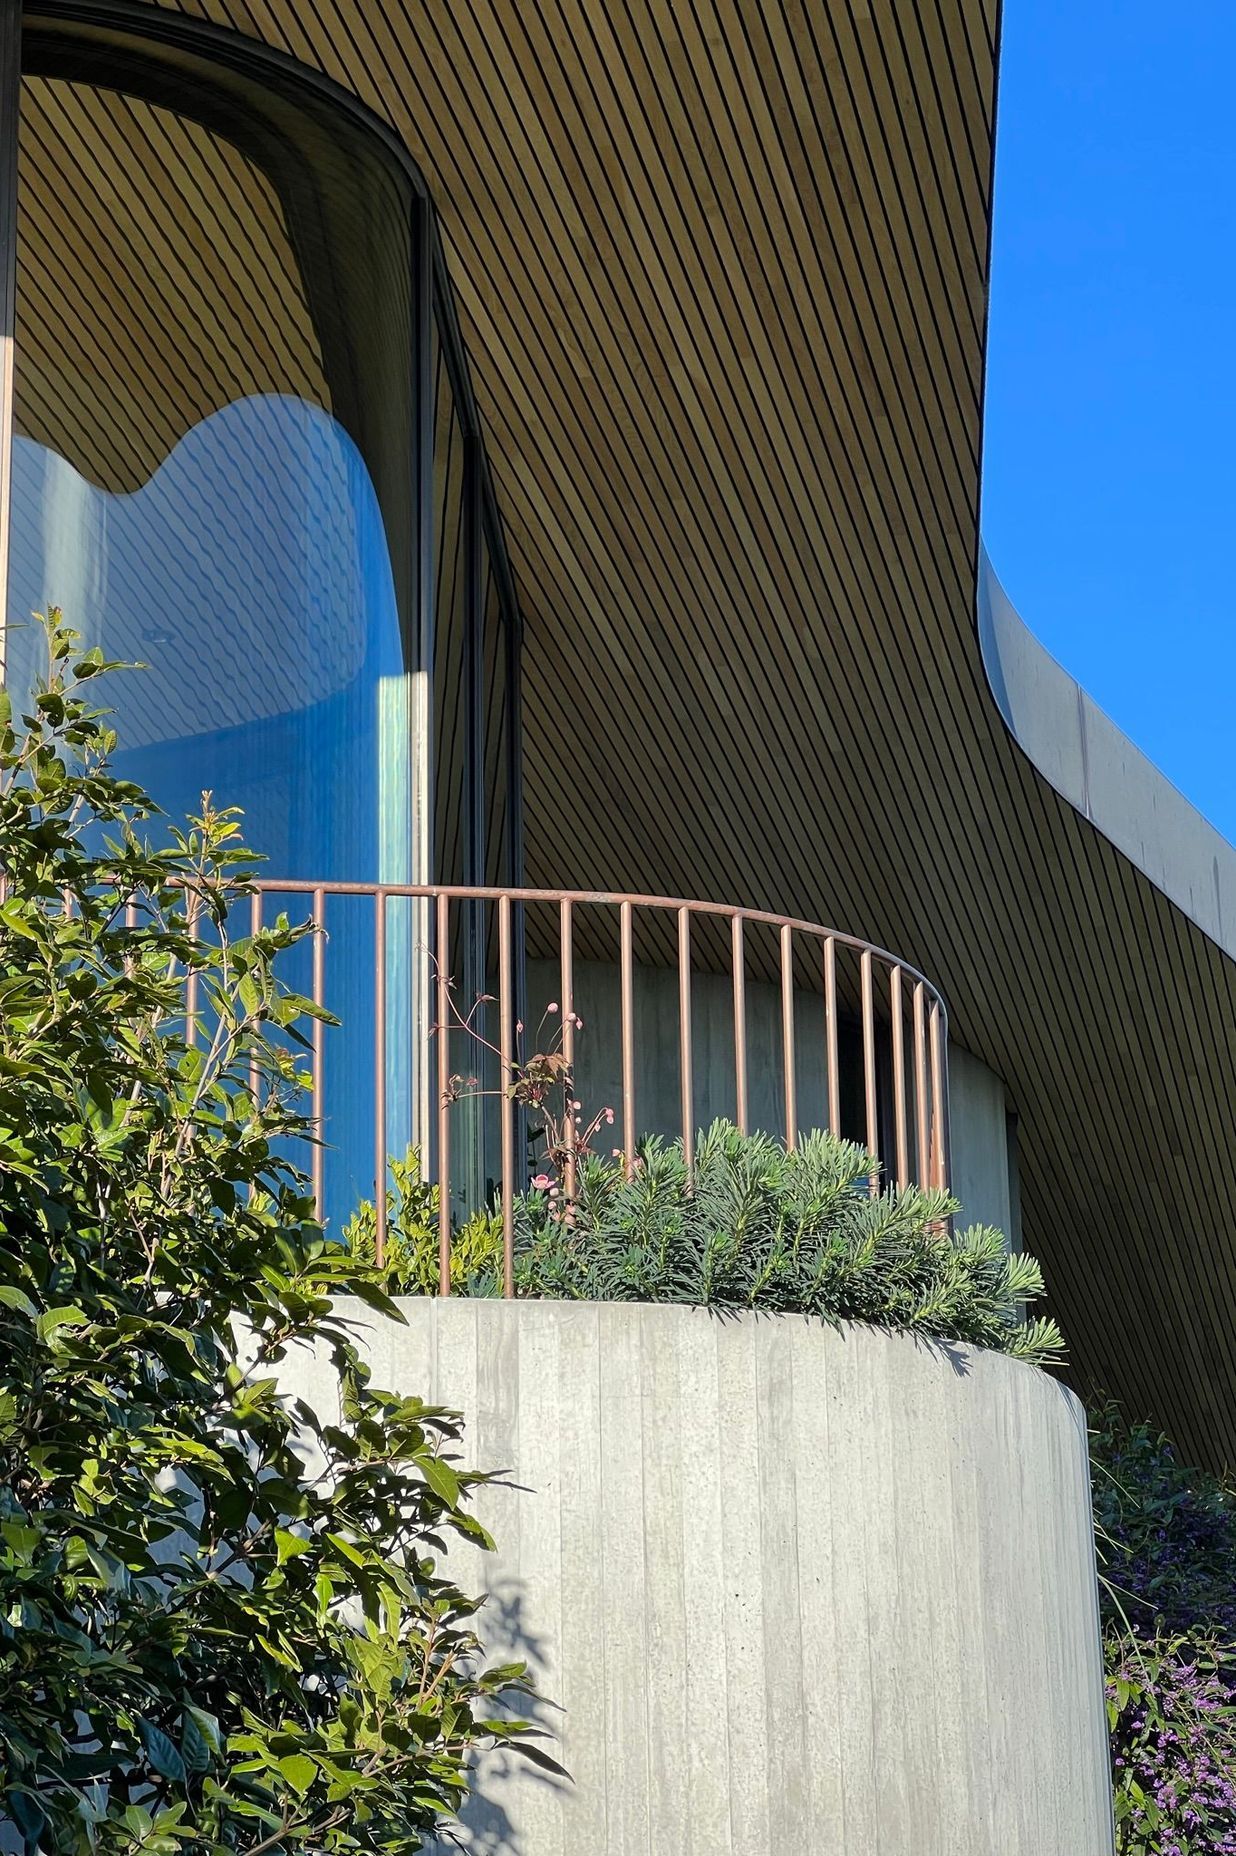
pixel 1110 471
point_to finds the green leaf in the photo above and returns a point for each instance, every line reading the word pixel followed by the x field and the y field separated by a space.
pixel 287 1546
pixel 28 1815
pixel 56 1318
pixel 441 1478
pixel 346 1549
pixel 161 1752
pixel 199 1740
pixel 537 1756
pixel 278 1653
pixel 299 1771
pixel 24 1541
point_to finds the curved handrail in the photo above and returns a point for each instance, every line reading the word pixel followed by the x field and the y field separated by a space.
pixel 902 1020
pixel 464 892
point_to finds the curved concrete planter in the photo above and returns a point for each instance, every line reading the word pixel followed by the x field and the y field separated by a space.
pixel 795 1591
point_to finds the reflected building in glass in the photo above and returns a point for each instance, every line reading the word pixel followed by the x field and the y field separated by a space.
pixel 246 461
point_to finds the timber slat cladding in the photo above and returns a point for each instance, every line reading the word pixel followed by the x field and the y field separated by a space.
pixel 182 295
pixel 720 268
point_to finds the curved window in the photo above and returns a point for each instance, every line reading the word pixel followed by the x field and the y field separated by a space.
pixel 185 487
pixel 245 458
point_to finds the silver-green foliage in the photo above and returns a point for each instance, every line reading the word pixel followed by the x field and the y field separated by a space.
pixel 752 1225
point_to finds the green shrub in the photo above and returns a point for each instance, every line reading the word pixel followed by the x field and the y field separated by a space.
pixel 1167 1533
pixel 208 1643
pixel 751 1226
pixel 410 1255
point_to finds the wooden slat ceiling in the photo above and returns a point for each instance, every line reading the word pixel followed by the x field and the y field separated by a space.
pixel 721 269
pixel 221 304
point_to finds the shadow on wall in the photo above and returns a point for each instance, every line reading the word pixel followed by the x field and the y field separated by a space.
pixel 484 1828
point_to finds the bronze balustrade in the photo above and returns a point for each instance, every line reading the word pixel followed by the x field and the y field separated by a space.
pixel 902 1022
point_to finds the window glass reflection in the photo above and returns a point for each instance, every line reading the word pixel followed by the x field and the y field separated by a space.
pixel 250 576
pixel 194 485
pixel 184 492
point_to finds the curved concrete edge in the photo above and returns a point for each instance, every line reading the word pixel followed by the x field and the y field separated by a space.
pixel 1090 762
pixel 790 1588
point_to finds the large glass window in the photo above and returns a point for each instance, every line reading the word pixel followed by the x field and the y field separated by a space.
pixel 245 458
pixel 184 490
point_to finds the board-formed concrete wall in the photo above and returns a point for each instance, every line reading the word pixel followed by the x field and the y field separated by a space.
pixel 795 1592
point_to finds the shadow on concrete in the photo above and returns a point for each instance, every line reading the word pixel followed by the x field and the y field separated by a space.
pixel 485 1827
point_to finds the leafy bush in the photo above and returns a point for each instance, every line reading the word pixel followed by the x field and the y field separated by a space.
pixel 221 1627
pixel 1167 1545
pixel 410 1257
pixel 750 1226
pixel 1167 1532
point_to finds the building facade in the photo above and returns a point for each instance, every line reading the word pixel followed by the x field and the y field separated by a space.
pixel 535 452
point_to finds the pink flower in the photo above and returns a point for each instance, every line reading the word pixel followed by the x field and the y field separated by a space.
pixel 542 1183
pixel 552 1006
pixel 609 1117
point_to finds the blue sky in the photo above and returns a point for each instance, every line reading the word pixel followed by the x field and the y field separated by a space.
pixel 1110 469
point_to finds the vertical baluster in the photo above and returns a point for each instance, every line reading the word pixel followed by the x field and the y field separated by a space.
pixel 937 1096
pixel 789 1079
pixel 255 1071
pixel 506 1021
pixel 869 1065
pixel 686 1075
pixel 946 1133
pixel 831 1036
pixel 193 911
pixel 566 936
pixel 897 1027
pixel 379 1073
pixel 130 922
pixel 628 1038
pixel 442 948
pixel 739 964
pixel 920 1084
pixel 319 1043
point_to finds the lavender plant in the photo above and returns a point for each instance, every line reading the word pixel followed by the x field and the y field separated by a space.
pixel 1167 1540
pixel 1169 1703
